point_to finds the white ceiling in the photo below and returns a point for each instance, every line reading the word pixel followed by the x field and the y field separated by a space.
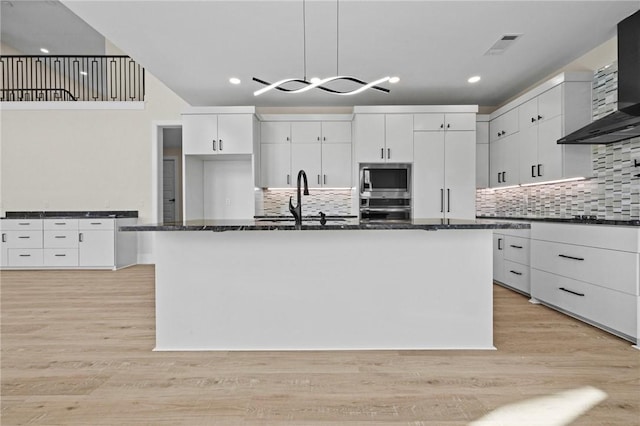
pixel 433 46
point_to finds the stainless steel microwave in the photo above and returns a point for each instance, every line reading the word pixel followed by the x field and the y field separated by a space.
pixel 388 180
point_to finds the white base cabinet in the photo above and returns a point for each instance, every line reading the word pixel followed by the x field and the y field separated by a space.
pixel 511 259
pixel 589 272
pixel 63 243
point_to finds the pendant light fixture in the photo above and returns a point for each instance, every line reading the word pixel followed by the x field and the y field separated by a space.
pixel 320 84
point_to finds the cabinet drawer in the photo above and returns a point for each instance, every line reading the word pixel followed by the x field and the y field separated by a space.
pixel 608 237
pixel 24 257
pixel 21 224
pixel 617 270
pixel 58 239
pixel 61 257
pixel 22 239
pixel 89 224
pixel 516 249
pixel 60 224
pixel 606 307
pixel 516 275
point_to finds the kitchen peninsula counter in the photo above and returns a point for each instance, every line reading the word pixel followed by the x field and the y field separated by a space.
pixel 345 285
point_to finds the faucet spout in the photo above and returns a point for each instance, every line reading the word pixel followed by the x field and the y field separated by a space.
pixel 296 211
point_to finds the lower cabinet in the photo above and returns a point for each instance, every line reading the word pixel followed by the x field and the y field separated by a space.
pixel 65 243
pixel 511 259
pixel 589 272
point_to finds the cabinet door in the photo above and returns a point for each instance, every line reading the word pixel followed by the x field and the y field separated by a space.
pixel 336 165
pixel 235 134
pixel 199 134
pixel 459 175
pixel 498 257
pixel 495 129
pixel 482 154
pixel 460 121
pixel 369 133
pixel 549 152
pixel 428 190
pixel 528 114
pixel 399 138
pixel 510 122
pixel 305 132
pixel 96 248
pixel 307 157
pixel 275 165
pixel 428 122
pixel 528 154
pixel 550 104
pixel 336 132
pixel 510 160
pixel 275 132
pixel 496 154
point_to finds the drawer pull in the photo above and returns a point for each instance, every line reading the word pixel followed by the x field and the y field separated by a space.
pixel 24 223
pixel 96 223
pixel 571 291
pixel 60 223
pixel 60 255
pixel 4 237
pixel 25 255
pixel 516 272
pixel 570 257
pixel 24 237
pixel 518 247
pixel 60 236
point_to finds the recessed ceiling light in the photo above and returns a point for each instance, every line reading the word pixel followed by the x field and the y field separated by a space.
pixel 314 80
pixel 474 79
pixel 234 80
pixel 394 79
pixel 43 50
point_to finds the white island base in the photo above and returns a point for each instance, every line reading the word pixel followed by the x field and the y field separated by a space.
pixel 324 290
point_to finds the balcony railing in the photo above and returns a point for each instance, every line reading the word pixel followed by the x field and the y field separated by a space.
pixel 71 78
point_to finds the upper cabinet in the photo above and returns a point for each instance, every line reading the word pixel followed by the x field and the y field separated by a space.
pixel 523 134
pixel 384 138
pixel 441 121
pixel 212 134
pixel 321 148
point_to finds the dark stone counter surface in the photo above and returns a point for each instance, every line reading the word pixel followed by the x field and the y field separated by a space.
pixel 580 220
pixel 282 223
pixel 71 214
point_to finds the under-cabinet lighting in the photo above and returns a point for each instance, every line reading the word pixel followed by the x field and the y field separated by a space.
pixel 311 189
pixel 555 181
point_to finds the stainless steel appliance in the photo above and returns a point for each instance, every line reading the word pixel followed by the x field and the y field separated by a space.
pixel 385 192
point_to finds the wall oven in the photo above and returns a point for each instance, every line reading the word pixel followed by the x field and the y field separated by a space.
pixel 385 192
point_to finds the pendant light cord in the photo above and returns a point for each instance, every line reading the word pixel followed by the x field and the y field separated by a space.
pixel 337 34
pixel 304 39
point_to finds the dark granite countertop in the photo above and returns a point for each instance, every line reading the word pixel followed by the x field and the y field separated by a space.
pixel 579 220
pixel 70 214
pixel 280 223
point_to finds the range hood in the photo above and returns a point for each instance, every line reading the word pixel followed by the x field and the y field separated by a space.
pixel 625 123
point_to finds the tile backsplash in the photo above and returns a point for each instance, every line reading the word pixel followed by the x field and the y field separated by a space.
pixel 330 202
pixel 612 193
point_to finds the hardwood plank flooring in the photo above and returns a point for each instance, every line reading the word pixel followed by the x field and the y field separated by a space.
pixel 77 350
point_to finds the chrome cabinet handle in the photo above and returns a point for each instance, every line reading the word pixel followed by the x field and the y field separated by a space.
pixel 571 291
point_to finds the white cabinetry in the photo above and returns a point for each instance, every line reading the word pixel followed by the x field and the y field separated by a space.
pixel 511 259
pixel 523 134
pixel 444 170
pixel 482 151
pixel 63 243
pixel 588 271
pixel 382 138
pixel 214 134
pixel 321 148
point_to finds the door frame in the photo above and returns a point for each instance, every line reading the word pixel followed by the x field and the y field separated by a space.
pixel 157 145
pixel 177 189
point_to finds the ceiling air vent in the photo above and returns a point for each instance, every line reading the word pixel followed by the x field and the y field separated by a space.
pixel 502 44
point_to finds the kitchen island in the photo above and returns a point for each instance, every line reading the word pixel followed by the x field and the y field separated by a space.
pixel 274 285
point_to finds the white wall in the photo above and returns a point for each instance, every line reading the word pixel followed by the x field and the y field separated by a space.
pixel 83 159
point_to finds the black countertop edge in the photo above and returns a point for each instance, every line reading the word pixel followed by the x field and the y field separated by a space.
pixel 611 222
pixel 327 227
pixel 71 214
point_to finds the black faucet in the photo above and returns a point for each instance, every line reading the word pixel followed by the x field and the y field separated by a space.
pixel 297 210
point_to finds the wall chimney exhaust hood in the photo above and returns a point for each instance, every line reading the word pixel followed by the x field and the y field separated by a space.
pixel 625 123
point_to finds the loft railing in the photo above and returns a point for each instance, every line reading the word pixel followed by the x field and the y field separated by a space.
pixel 70 78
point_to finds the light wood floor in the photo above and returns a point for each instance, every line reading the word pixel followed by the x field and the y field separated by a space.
pixel 77 350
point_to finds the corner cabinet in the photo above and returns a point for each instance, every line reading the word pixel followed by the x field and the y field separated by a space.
pixel 68 243
pixel 444 166
pixel 524 133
